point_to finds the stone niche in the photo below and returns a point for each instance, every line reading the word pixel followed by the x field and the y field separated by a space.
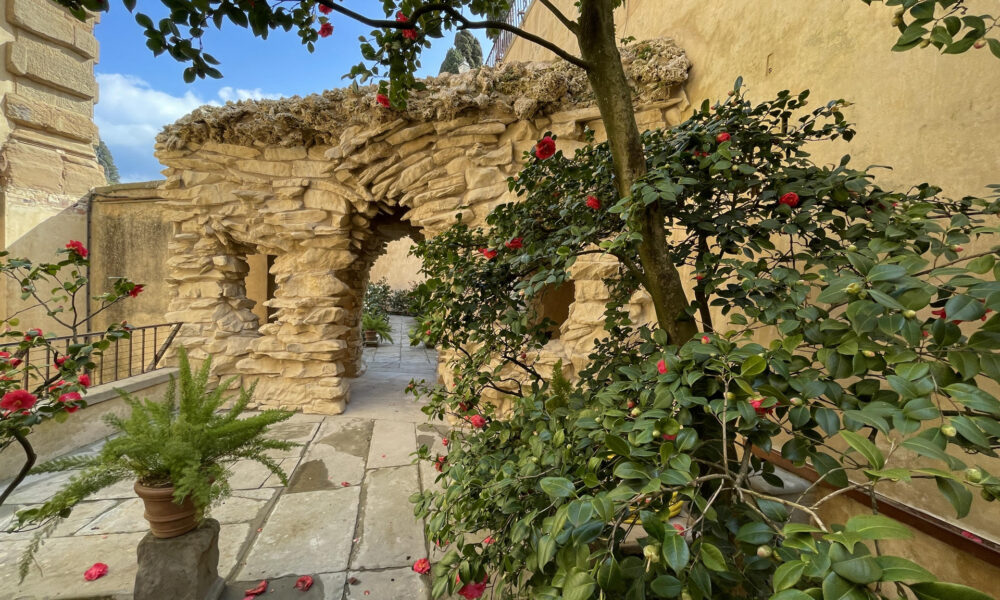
pixel 320 184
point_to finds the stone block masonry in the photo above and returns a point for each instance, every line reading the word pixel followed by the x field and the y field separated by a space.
pixel 47 134
pixel 323 183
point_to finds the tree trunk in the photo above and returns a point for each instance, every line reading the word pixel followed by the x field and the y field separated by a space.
pixel 598 47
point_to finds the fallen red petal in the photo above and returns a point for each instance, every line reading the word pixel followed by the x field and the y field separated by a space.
pixel 303 583
pixel 260 589
pixel 97 571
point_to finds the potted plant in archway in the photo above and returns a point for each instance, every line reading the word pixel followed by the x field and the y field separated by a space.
pixel 177 452
pixel 376 328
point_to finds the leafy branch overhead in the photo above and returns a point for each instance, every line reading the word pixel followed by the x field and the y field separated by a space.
pixel 394 53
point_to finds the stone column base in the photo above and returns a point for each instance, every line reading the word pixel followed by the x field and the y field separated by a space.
pixel 181 568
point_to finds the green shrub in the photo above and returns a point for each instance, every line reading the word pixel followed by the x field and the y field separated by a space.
pixel 882 327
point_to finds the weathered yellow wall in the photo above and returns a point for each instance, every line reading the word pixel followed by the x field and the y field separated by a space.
pixel 129 236
pixel 400 270
pixel 931 117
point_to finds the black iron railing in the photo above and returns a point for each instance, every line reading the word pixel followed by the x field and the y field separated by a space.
pixel 141 353
pixel 518 8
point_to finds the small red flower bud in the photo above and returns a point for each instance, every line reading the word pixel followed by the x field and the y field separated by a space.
pixel 722 137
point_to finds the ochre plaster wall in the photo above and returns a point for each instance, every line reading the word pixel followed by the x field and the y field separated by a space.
pixel 129 234
pixel 930 116
pixel 400 270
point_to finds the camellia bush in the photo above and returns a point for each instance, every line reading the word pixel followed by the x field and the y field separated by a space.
pixel 31 391
pixel 846 326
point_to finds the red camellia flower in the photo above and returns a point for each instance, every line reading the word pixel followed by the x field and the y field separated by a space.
pixel 488 253
pixel 477 421
pixel 70 397
pixel 756 404
pixel 77 248
pixel 444 441
pixel 410 34
pixel 662 367
pixel 471 591
pixel 18 400
pixel 722 137
pixel 382 99
pixel 55 386
pixel 304 583
pixel 325 30
pixel 61 360
pixel 422 566
pixel 32 334
pixel 325 9
pixel 940 313
pixel 668 437
pixel 791 200
pixel 439 463
pixel 95 572
pixel 489 540
pixel 515 244
pixel 593 203
pixel 84 380
pixel 545 148
pixel 462 406
pixel 679 527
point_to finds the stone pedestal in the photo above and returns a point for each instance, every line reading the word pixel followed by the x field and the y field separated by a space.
pixel 181 568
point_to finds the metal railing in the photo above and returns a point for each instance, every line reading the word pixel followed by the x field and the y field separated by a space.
pixel 141 353
pixel 515 16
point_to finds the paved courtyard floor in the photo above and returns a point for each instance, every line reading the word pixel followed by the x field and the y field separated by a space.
pixel 345 518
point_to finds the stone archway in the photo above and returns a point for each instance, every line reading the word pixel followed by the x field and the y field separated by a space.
pixel 318 183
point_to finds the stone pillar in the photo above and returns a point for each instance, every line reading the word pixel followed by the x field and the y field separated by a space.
pixel 208 281
pixel 299 359
pixel 185 567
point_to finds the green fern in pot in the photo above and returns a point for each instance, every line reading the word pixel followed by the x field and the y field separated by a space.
pixel 177 450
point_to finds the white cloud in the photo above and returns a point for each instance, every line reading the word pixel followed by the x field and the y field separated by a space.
pixel 131 112
pixel 228 93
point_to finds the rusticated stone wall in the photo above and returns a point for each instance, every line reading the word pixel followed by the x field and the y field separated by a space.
pixel 47 133
pixel 322 183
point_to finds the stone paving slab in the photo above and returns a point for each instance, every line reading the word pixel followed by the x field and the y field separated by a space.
pixel 390 584
pixel 326 586
pixel 82 514
pixel 306 532
pixel 337 455
pixel 393 443
pixel 298 432
pixel 36 489
pixel 118 491
pixel 389 535
pixel 63 562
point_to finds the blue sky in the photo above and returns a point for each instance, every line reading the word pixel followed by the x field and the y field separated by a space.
pixel 140 93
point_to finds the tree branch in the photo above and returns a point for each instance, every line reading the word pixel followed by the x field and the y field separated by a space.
pixel 29 462
pixel 464 24
pixel 569 23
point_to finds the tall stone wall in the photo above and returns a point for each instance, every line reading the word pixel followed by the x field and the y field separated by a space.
pixel 322 183
pixel 47 133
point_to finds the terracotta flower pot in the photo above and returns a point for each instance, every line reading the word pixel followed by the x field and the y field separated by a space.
pixel 166 519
